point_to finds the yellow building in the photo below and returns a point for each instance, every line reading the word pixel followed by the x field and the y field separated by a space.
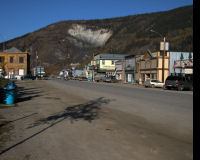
pixel 105 63
pixel 14 63
pixel 149 65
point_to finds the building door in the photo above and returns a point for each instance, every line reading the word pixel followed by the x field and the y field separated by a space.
pixel 143 77
pixel 147 76
pixel 1 71
pixel 11 73
pixel 129 77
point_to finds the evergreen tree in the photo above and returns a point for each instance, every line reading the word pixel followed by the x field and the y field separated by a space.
pixel 190 56
pixel 182 57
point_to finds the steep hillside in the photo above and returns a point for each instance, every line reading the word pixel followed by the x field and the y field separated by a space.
pixel 65 42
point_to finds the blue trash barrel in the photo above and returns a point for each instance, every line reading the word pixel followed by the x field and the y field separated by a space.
pixel 9 97
pixel 10 93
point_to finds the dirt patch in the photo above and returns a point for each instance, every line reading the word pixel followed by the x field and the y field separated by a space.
pixel 5 131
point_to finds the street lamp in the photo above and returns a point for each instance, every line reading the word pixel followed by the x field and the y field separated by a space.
pixel 163 56
pixel 36 64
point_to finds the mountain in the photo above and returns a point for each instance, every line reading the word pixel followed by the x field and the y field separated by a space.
pixel 75 41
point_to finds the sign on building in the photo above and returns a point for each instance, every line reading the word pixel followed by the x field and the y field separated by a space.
pixel 188 71
pixel 162 46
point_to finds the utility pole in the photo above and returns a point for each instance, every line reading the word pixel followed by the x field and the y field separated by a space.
pixel 163 63
pixel 36 65
pixel 40 69
pixel 93 68
pixel 163 56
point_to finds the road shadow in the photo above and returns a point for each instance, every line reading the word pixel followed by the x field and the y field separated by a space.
pixel 26 94
pixel 3 123
pixel 87 111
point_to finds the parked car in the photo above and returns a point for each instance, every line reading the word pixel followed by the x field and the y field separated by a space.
pixel 45 77
pixel 111 79
pixel 179 82
pixel 58 77
pixel 153 83
pixel 82 79
pixel 28 76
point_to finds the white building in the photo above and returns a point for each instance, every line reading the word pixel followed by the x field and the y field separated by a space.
pixel 178 65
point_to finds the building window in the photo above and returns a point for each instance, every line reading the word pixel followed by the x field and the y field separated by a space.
pixel 152 76
pixel 155 76
pixel 103 62
pixel 21 59
pixel 137 67
pixel 11 59
pixel 161 53
pixel 157 62
pixel 2 59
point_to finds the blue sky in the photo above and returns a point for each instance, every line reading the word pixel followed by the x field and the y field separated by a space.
pixel 19 17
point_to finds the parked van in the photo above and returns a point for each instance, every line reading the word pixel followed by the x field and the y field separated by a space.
pixel 179 82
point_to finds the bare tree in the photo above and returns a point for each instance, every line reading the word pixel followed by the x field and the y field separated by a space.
pixel 3 67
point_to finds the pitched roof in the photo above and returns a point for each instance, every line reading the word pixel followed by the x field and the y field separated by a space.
pixel 112 56
pixel 13 50
pixel 147 54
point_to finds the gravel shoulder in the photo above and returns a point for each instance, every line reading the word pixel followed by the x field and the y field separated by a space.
pixel 51 122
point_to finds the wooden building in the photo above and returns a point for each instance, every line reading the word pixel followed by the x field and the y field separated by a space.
pixel 14 63
pixel 149 65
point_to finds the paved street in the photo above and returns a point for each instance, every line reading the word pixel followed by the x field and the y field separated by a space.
pixel 57 119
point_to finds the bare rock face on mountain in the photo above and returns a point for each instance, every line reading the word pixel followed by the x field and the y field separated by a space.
pixel 95 38
pixel 65 42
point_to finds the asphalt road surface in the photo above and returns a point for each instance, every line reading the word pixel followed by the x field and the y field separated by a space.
pixel 57 119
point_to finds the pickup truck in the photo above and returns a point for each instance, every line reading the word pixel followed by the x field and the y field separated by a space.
pixel 99 77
